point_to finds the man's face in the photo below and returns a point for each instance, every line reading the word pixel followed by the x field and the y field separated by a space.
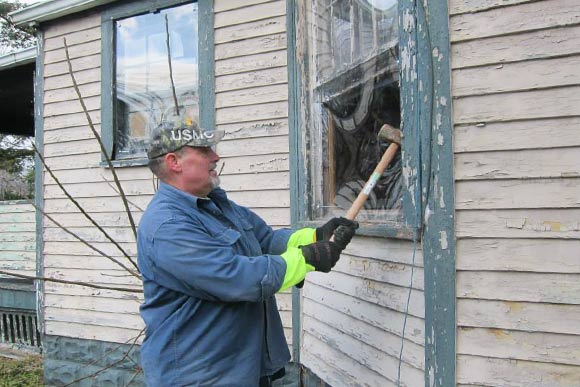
pixel 198 170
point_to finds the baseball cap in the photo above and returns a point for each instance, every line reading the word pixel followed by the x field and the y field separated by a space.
pixel 167 138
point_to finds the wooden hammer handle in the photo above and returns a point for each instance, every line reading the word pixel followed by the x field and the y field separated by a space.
pixel 378 172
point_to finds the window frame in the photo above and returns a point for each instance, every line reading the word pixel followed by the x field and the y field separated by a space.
pixel 108 63
pixel 301 177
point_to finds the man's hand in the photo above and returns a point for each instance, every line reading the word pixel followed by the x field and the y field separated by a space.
pixel 321 255
pixel 325 232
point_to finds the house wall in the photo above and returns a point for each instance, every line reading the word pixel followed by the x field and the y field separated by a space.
pixel 517 173
pixel 251 105
pixel 17 237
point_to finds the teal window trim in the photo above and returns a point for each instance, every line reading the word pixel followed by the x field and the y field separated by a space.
pixel 205 65
pixel 38 175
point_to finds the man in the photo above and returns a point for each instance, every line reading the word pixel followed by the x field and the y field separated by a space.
pixel 210 271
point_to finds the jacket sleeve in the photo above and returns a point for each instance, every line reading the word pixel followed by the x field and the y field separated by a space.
pixel 185 258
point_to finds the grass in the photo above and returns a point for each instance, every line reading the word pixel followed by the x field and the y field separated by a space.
pixel 25 372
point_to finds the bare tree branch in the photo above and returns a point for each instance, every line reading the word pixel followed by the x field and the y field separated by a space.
pixel 48 279
pixel 133 378
pixel 81 209
pixel 87 243
pixel 170 66
pixel 98 137
pixel 110 365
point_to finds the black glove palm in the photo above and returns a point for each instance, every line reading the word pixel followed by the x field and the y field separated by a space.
pixel 322 255
pixel 324 233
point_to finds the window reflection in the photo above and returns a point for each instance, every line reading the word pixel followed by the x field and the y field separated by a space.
pixel 143 86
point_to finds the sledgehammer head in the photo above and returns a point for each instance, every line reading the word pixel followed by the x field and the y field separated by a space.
pixel 390 134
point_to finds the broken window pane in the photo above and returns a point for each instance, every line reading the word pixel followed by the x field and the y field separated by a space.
pixel 144 83
pixel 351 88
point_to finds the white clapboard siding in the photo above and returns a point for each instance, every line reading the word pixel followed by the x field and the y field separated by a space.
pixel 517 190
pixel 17 237
pixel 252 108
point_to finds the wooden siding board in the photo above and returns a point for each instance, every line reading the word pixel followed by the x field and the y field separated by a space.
pixel 521 223
pixel 511 373
pixel 472 6
pixel 258 146
pixel 73 38
pixel 254 29
pixel 557 132
pixel 518 164
pixel 519 316
pixel 548 103
pixel 257 95
pixel 251 62
pixel 509 194
pixel 554 288
pixel 91 332
pixel 515 48
pixel 264 111
pixel 250 13
pixel 541 73
pixel 254 164
pixel 528 255
pixel 532 346
pixel 250 46
pixel 270 76
pixel 253 129
pixel 78 64
pixel 508 20
pixel 227 5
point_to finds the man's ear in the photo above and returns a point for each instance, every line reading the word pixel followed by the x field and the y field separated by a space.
pixel 172 162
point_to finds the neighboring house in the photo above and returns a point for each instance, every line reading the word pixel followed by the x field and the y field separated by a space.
pixel 467 258
pixel 18 301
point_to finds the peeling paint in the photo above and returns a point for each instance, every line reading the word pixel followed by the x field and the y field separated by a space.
pixel 443 240
pixel 439 139
pixel 441 199
pixel 443 101
pixel 516 223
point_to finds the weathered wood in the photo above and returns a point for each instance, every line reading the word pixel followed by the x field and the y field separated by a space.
pixel 541 73
pixel 536 255
pixel 267 26
pixel 275 217
pixel 533 346
pixel 255 164
pixel 80 147
pixel 76 51
pixel 72 25
pixel 532 193
pixel 273 146
pixel 508 20
pixel 270 76
pixel 250 46
pixel 18 237
pixel 100 175
pixel 386 295
pixel 513 48
pixel 465 6
pixel 71 120
pixel 321 316
pixel 253 96
pixel 78 64
pixel 104 189
pixel 72 106
pixel 104 319
pixel 511 373
pixel 526 134
pixel 240 114
pixel 537 163
pixel 57 289
pixel 112 219
pixel 249 14
pixel 84 263
pixel 17 217
pixel 7 207
pixel 119 234
pixel 388 250
pixel 94 205
pixel 370 358
pixel 337 368
pixel 226 5
pixel 87 303
pixel 79 249
pixel 17 227
pixel 251 62
pixel 386 319
pixel 118 277
pixel 82 77
pixel 69 134
pixel 378 270
pixel 510 286
pixel 60 95
pixel 73 38
pixel 520 316
pixel 252 129
pixel 524 223
pixel 91 332
pixel 548 103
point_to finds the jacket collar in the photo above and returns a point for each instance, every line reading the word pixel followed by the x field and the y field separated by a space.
pixel 217 194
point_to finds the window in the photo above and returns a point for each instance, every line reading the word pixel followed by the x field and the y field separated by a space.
pixel 150 72
pixel 350 88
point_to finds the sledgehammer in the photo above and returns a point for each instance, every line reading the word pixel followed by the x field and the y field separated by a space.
pixel 387 133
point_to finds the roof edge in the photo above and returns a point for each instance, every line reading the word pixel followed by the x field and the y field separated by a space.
pixel 18 58
pixel 52 9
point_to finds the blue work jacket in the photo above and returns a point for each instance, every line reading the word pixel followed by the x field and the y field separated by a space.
pixel 210 271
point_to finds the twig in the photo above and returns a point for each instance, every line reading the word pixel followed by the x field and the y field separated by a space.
pixel 87 243
pixel 170 67
pixel 17 275
pixel 98 137
pixel 133 378
pixel 81 209
pixel 110 365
